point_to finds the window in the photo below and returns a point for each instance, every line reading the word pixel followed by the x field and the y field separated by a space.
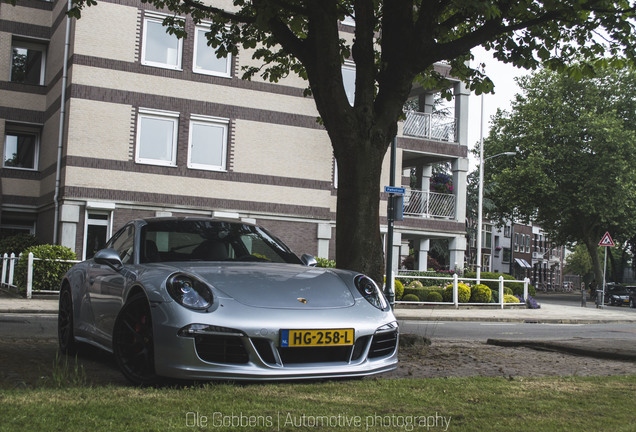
pixel 207 143
pixel 159 48
pixel 97 232
pixel 507 231
pixel 528 243
pixel 486 237
pixel 205 57
pixel 506 255
pixel 157 137
pixel 27 63
pixel 123 242
pixel 21 147
pixel 516 242
pixel 349 80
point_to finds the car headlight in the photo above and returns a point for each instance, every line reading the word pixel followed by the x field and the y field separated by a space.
pixel 370 291
pixel 189 292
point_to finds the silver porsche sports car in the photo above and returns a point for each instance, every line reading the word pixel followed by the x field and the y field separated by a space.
pixel 200 298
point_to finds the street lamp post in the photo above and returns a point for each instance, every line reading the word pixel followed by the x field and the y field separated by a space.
pixel 481 187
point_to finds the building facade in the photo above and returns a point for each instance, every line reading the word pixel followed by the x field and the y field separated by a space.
pixel 109 118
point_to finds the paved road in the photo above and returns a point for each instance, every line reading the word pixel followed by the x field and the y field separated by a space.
pixel 26 326
pixel 574 299
pixel 482 331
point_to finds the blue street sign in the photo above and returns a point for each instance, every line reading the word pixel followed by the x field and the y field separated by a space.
pixel 394 190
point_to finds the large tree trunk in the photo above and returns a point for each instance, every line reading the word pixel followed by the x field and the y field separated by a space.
pixel 597 266
pixel 358 239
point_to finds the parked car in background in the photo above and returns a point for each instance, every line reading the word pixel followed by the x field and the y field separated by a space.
pixel 200 298
pixel 632 296
pixel 617 294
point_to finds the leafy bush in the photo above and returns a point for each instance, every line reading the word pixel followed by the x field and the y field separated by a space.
pixel 434 296
pixel 418 292
pixel 463 293
pixel 17 244
pixel 399 289
pixel 508 291
pixel 410 297
pixel 415 284
pixel 47 274
pixel 480 294
pixel 508 298
pixel 326 263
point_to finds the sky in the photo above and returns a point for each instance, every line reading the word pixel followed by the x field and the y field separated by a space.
pixel 505 88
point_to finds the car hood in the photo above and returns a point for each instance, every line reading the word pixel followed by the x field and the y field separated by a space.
pixel 271 285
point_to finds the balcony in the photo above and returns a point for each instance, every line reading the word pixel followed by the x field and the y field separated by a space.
pixel 430 126
pixel 425 204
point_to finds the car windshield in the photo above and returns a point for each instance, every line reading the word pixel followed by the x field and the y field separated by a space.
pixel 208 240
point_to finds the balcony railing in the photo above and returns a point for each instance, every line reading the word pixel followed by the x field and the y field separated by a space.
pixel 426 204
pixel 430 126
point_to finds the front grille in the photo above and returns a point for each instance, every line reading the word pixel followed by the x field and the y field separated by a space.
pixel 221 349
pixel 315 354
pixel 383 344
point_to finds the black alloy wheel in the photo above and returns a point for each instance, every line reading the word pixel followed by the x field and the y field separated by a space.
pixel 65 335
pixel 133 343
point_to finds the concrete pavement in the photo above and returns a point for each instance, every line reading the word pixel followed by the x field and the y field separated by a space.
pixel 548 313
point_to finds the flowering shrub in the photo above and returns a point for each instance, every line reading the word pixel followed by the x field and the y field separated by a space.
pixel 509 298
pixel 415 284
pixel 442 183
pixel 463 293
pixel 480 294
pixel 530 302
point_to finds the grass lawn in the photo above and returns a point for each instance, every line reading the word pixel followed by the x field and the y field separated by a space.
pixel 456 404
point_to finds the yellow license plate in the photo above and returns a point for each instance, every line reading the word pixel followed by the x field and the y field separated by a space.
pixel 316 338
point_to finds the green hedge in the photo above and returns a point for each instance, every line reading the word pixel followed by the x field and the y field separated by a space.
pixel 424 293
pixel 17 244
pixel 47 274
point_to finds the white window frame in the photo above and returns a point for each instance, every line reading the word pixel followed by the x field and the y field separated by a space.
pixel 146 113
pixel 157 18
pixel 12 130
pixel 209 121
pixel 199 32
pixel 31 46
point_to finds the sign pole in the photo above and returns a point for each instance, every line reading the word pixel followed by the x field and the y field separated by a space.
pixel 390 281
pixel 606 242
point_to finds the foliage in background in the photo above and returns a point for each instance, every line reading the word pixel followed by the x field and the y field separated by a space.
pixel 18 243
pixel 574 172
pixel 47 273
pixel 325 262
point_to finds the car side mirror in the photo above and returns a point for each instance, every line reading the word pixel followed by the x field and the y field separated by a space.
pixel 309 260
pixel 109 257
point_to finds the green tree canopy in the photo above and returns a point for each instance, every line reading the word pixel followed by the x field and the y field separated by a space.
pixel 575 169
pixel 393 45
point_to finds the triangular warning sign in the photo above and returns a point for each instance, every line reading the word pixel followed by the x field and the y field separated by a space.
pixel 607 240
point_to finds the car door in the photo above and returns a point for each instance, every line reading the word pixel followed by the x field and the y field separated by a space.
pixel 107 284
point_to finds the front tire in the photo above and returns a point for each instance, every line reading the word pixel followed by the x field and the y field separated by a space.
pixel 133 342
pixel 65 333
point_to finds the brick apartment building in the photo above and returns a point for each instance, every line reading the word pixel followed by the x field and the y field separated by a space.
pixel 109 118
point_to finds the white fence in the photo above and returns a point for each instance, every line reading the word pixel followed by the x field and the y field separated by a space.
pixel 9 263
pixel 456 280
